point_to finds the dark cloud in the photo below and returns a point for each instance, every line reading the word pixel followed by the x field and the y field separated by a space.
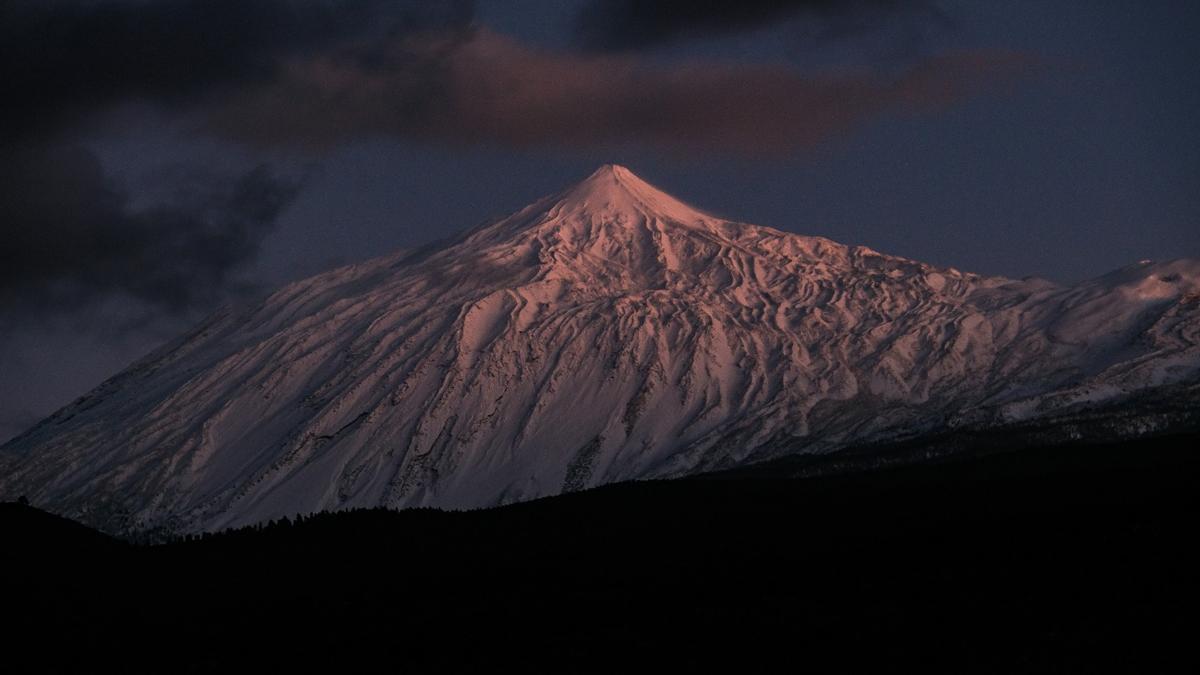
pixel 71 237
pixel 316 74
pixel 618 25
pixel 62 61
pixel 319 73
pixel 485 88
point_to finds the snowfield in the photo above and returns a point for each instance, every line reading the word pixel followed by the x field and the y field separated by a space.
pixel 606 333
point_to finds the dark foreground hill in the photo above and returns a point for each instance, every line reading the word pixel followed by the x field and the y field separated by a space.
pixel 1068 559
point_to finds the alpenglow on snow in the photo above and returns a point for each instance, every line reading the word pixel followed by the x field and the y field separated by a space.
pixel 606 333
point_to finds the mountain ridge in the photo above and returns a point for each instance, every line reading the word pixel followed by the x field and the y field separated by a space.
pixel 604 333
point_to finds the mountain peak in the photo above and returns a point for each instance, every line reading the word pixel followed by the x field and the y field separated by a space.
pixel 614 174
pixel 612 170
pixel 613 188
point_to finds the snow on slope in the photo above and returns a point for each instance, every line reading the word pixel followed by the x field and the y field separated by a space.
pixel 606 333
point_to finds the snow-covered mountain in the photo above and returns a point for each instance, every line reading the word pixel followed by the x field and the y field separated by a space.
pixel 606 333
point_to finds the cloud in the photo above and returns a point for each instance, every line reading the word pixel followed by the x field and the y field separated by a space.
pixel 71 237
pixel 483 88
pixel 620 25
pixel 315 74
pixel 63 61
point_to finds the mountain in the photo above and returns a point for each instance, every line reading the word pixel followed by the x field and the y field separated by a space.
pixel 606 333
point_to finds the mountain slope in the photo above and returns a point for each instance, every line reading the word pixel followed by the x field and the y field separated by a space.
pixel 606 333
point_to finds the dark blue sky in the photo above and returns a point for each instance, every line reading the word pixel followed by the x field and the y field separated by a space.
pixel 1083 158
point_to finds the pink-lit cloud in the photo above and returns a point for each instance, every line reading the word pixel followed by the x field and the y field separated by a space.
pixel 481 87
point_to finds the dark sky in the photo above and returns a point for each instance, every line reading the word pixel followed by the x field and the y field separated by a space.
pixel 158 158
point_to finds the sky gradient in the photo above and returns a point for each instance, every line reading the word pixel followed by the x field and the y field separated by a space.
pixel 164 158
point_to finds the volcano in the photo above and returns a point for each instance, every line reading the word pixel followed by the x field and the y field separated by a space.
pixel 606 333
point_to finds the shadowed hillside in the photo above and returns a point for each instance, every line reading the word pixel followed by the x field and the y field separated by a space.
pixel 1068 559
